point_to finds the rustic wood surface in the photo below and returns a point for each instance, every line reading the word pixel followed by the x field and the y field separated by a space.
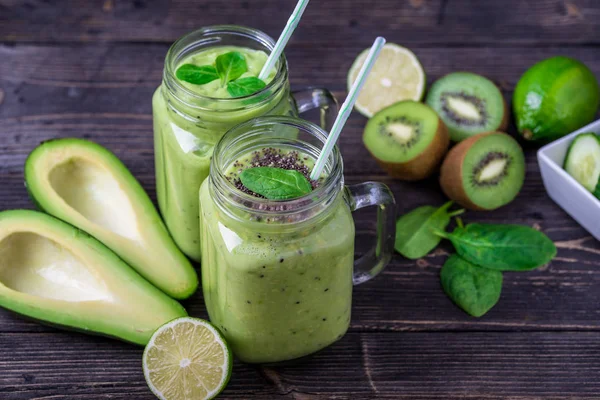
pixel 89 68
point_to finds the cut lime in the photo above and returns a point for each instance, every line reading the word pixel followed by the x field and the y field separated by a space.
pixel 187 359
pixel 397 75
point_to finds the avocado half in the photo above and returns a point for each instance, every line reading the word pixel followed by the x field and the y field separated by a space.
pixel 86 185
pixel 55 273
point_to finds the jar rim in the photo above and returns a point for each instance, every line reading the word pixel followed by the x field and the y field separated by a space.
pixel 322 194
pixel 204 34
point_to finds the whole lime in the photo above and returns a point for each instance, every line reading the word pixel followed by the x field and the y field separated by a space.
pixel 555 97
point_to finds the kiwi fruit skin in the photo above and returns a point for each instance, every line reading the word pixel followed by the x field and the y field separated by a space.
pixel 424 164
pixel 451 172
pixel 456 133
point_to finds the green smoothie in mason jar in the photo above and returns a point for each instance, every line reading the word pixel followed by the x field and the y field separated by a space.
pixel 277 275
pixel 190 118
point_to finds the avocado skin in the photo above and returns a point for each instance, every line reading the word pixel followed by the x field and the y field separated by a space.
pixel 554 98
pixel 45 311
pixel 185 287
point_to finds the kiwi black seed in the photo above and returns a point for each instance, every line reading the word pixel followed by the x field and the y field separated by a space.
pixel 484 172
pixel 407 139
pixel 468 104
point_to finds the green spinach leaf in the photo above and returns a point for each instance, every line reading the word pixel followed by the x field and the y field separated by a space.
pixel 245 86
pixel 476 290
pixel 502 247
pixel 415 236
pixel 230 66
pixel 275 183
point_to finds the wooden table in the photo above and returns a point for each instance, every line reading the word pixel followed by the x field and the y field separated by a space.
pixel 89 68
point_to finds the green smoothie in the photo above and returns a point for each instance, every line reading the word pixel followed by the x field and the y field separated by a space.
pixel 277 290
pixel 255 59
pixel 186 130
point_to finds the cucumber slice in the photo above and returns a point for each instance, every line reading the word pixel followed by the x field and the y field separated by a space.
pixel 583 160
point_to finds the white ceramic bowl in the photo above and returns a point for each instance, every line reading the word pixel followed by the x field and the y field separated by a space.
pixel 563 189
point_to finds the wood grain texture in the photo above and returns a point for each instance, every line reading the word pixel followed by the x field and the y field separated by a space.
pixel 440 365
pixel 89 68
pixel 455 22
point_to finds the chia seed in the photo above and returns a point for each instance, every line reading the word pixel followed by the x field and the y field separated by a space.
pixel 271 157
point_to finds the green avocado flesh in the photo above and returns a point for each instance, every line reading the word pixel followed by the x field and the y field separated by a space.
pixel 555 97
pixel 493 171
pixel 401 132
pixel 468 104
pixel 52 272
pixel 84 184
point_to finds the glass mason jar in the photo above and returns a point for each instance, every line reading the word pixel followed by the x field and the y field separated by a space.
pixel 187 125
pixel 277 276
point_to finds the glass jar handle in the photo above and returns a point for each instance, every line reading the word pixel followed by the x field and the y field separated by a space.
pixel 374 194
pixel 323 99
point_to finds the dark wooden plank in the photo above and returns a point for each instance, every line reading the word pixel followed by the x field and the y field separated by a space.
pixel 100 93
pixel 360 366
pixel 408 297
pixel 333 23
pixel 120 78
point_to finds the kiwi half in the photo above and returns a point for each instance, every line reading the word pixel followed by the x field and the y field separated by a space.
pixel 484 172
pixel 407 139
pixel 468 104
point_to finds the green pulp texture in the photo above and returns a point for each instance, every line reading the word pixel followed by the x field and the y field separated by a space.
pixel 183 148
pixel 468 84
pixel 408 116
pixel 555 97
pixel 491 194
pixel 277 291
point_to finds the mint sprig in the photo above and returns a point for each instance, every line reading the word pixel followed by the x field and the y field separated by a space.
pixel 245 86
pixel 197 75
pixel 275 183
pixel 228 67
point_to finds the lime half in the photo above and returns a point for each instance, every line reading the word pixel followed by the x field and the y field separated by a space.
pixel 187 359
pixel 397 75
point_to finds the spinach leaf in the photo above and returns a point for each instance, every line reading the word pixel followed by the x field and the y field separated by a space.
pixel 245 86
pixel 197 75
pixel 415 236
pixel 231 66
pixel 502 247
pixel 476 290
pixel 275 183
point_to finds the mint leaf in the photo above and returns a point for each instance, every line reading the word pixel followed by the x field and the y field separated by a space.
pixel 230 66
pixel 197 75
pixel 245 86
pixel 275 183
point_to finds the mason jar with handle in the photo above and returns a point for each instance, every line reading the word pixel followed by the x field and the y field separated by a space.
pixel 188 122
pixel 277 275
